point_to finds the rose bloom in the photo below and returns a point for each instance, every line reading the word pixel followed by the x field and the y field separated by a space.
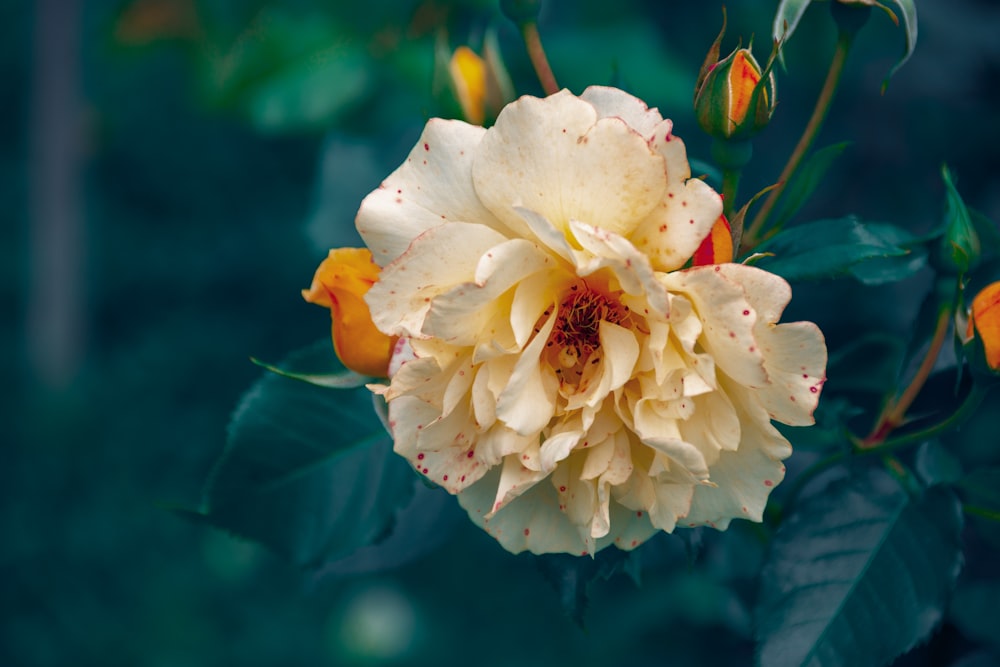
pixel 561 366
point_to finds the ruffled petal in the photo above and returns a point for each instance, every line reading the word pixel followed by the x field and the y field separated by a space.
pixel 580 167
pixel 436 261
pixel 727 321
pixel 460 315
pixel 615 103
pixel 674 230
pixel 433 186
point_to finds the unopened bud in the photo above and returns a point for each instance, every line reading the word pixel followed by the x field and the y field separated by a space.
pixel 340 284
pixel 984 330
pixel 959 249
pixel 734 99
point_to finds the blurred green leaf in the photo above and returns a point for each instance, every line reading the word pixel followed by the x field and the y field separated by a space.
pixel 787 17
pixel 909 11
pixel 805 180
pixel 858 574
pixel 344 379
pixel 882 270
pixel 981 488
pixel 869 363
pixel 973 610
pixel 289 72
pixel 936 465
pixel 572 576
pixel 307 471
pixel 827 248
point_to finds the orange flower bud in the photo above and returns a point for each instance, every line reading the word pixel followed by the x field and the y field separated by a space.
pixel 468 77
pixel 985 323
pixel 734 99
pixel 717 247
pixel 340 284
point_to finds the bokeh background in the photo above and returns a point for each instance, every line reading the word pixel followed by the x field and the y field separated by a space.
pixel 171 172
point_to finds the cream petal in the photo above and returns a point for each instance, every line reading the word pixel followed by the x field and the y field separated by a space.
pixel 673 500
pixel 451 468
pixel 742 479
pixel 515 479
pixel 727 322
pixel 532 523
pixel 673 230
pixel 546 233
pixel 527 403
pixel 500 441
pixel 795 358
pixel 598 457
pixel 555 157
pixel 433 186
pixel 767 293
pixel 619 352
pixel 557 447
pixel 613 102
pixel 436 261
pixel 483 400
pixel 459 316
pixel 608 250
pixel 408 416
pixel 532 297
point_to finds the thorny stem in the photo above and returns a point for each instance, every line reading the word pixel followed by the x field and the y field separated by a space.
pixel 823 102
pixel 533 43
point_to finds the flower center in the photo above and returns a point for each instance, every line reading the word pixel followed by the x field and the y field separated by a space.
pixel 576 335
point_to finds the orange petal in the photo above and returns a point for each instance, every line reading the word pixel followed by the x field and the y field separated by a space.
pixel 986 318
pixel 468 74
pixel 744 76
pixel 717 248
pixel 340 284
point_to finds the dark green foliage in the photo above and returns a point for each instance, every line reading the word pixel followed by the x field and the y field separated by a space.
pixel 832 248
pixel 308 471
pixel 858 574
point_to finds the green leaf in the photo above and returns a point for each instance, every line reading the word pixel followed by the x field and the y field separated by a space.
pixel 289 71
pixel 806 179
pixel 787 18
pixel 909 12
pixel 826 248
pixel 307 471
pixel 973 610
pixel 344 379
pixel 858 574
pixel 879 271
pixel 936 465
pixel 572 576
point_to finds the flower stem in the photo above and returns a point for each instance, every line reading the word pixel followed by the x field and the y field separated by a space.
pixel 533 43
pixel 730 186
pixel 966 410
pixel 895 411
pixel 823 102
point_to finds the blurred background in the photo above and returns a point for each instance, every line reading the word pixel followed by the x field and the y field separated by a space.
pixel 172 171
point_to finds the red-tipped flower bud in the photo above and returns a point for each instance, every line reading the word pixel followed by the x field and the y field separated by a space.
pixel 734 99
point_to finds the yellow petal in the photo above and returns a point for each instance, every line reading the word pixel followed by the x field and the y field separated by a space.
pixel 340 284
pixel 986 319
pixel 468 75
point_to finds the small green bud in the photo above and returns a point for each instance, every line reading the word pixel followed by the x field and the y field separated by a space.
pixel 959 250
